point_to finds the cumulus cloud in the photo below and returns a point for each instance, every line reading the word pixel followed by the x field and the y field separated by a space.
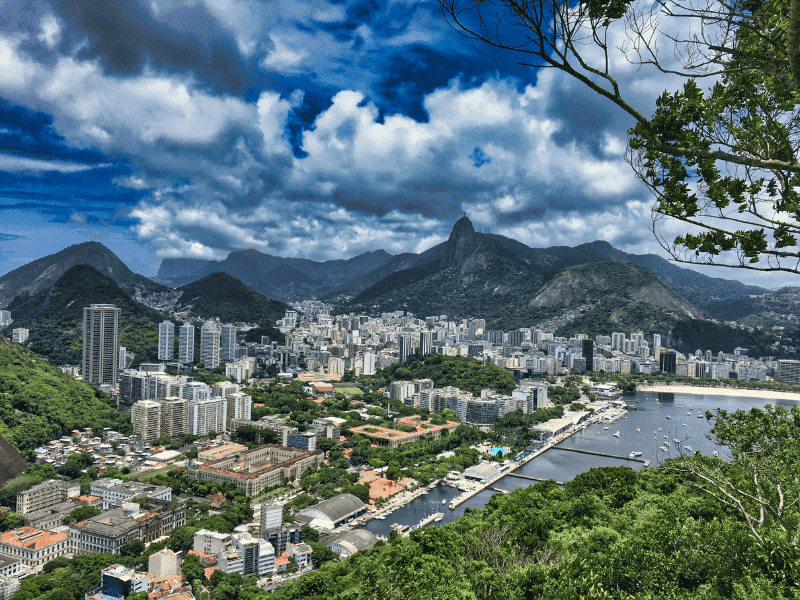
pixel 282 127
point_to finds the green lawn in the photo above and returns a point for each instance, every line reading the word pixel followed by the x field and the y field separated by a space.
pixel 353 391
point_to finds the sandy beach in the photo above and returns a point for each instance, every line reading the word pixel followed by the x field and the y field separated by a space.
pixel 721 391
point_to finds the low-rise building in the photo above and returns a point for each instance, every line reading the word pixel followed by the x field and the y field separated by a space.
pixel 10 566
pixel 301 553
pixel 34 547
pixel 46 494
pixel 352 542
pixel 259 468
pixel 396 437
pixel 332 512
pixel 109 531
pixel 50 517
pixel 118 582
pixel 8 587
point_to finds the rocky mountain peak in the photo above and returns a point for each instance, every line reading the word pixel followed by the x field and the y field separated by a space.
pixel 460 244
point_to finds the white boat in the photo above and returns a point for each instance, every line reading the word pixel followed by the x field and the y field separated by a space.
pixel 715 453
pixel 688 448
pixel 689 413
pixel 677 441
pixel 634 454
pixel 667 444
pixel 637 429
pixel 660 429
pixel 604 428
pixel 684 424
pixel 669 417
pixel 663 449
pixel 444 501
pixel 616 434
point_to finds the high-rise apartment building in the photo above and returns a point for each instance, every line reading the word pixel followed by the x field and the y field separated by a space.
pixel 425 342
pixel 20 335
pixel 146 419
pixel 240 406
pixel 100 357
pixel 186 344
pixel 166 341
pixel 174 417
pixel 207 415
pixel 656 341
pixel 227 346
pixel 404 346
pixel 209 345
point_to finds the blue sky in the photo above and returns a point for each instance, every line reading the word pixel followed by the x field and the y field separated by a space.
pixel 315 129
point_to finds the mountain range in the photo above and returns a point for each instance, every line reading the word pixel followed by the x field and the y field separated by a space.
pixel 44 272
pixel 472 274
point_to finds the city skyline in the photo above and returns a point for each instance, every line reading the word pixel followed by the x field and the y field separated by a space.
pixel 193 129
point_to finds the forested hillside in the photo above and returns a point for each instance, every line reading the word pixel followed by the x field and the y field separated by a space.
pixel 39 403
pixel 610 533
pixel 459 371
pixel 54 316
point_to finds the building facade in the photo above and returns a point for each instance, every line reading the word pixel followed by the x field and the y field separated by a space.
pixel 100 356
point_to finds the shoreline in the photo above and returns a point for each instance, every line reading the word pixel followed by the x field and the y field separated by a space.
pixel 721 391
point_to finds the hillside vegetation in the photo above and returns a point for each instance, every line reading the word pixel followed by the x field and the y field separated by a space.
pixel 459 371
pixel 221 295
pixel 54 316
pixel 39 403
pixel 610 533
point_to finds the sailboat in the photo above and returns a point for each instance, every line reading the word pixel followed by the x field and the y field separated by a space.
pixel 616 434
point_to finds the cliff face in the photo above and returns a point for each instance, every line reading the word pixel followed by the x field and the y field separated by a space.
pixel 460 244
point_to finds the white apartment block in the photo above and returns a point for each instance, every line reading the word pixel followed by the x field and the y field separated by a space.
pixel 166 341
pixel 208 415
pixel 209 345
pixel 20 335
pixel 227 345
pixel 186 344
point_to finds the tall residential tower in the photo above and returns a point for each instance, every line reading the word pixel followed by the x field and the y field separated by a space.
pixel 100 359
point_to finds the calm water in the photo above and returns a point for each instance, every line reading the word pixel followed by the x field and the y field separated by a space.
pixel 563 465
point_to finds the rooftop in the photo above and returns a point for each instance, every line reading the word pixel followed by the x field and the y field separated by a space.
pixel 32 539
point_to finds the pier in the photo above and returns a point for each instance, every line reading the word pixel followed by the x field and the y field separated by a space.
pixel 603 454
pixel 529 478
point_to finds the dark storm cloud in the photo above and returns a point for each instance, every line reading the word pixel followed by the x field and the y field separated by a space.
pixel 126 37
pixel 10 237
pixel 31 133
pixel 585 117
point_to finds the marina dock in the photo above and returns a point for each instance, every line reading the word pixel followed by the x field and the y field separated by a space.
pixel 529 478
pixel 603 454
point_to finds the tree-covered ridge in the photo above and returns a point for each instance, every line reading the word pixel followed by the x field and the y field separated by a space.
pixel 610 533
pixel 222 295
pixel 458 371
pixel 54 316
pixel 39 403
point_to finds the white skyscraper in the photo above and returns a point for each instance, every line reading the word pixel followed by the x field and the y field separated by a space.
pixel 207 415
pixel 166 341
pixel 425 342
pixel 186 344
pixel 227 346
pixel 209 345
pixel 369 363
pixel 656 341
